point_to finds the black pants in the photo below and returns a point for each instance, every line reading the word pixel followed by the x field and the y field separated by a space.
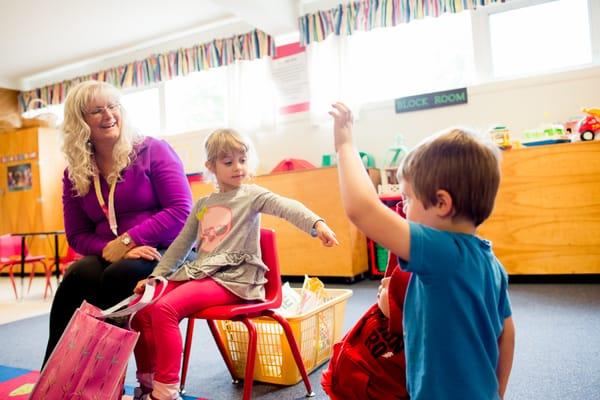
pixel 96 281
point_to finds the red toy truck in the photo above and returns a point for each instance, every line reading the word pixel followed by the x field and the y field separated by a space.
pixel 589 127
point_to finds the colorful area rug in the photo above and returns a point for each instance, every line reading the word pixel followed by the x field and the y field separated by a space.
pixel 17 383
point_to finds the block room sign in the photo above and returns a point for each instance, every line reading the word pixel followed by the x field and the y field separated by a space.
pixel 431 100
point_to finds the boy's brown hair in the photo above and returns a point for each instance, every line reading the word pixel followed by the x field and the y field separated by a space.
pixel 459 162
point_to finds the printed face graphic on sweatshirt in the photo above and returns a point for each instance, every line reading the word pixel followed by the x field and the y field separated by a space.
pixel 215 224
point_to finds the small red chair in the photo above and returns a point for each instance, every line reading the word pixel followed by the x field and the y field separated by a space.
pixel 10 256
pixel 244 313
pixel 65 261
pixel 7 261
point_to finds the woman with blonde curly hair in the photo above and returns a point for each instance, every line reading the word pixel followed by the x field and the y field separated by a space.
pixel 125 199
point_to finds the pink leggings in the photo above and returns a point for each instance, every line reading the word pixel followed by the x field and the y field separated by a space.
pixel 159 348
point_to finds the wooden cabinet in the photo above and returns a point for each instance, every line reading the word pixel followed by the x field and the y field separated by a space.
pixel 547 214
pixel 31 168
pixel 300 254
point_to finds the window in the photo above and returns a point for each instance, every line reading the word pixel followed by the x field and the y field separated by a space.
pixel 196 101
pixel 143 109
pixel 421 56
pixel 542 37
pixel 506 39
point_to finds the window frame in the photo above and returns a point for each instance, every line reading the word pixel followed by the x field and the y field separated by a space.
pixel 482 43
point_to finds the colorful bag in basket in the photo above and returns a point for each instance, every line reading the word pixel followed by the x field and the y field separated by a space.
pixel 369 363
pixel 90 359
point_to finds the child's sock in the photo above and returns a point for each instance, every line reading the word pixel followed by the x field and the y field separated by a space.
pixel 165 391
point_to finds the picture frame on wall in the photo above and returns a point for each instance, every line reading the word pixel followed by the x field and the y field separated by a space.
pixel 19 177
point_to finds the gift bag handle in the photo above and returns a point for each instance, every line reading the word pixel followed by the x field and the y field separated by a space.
pixel 146 299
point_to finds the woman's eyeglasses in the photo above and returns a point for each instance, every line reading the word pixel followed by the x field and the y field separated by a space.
pixel 112 108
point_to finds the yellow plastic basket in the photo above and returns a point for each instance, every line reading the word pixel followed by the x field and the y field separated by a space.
pixel 315 333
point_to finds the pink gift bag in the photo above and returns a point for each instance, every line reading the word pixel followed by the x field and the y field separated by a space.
pixel 90 359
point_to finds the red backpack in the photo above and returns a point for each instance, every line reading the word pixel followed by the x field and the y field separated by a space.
pixel 369 363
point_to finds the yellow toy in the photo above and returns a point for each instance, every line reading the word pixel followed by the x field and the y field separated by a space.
pixel 501 136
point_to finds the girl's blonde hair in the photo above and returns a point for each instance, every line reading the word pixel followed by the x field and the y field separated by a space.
pixel 77 146
pixel 222 141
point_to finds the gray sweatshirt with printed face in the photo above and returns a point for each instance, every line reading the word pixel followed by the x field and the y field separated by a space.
pixel 225 227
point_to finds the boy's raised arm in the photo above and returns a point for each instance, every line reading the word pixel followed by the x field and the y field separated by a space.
pixel 359 197
pixel 506 348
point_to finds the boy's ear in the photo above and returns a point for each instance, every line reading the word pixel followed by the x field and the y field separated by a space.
pixel 444 206
pixel 209 165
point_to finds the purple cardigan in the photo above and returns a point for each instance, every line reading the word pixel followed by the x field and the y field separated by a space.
pixel 152 202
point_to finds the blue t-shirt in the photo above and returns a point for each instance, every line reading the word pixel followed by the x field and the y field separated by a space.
pixel 456 303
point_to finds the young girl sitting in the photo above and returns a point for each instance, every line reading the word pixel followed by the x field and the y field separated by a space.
pixel 224 227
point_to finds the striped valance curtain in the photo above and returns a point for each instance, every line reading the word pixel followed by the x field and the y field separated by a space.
pixel 369 14
pixel 161 67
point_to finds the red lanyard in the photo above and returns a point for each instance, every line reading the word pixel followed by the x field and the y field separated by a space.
pixel 110 210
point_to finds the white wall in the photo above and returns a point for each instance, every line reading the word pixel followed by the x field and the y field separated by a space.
pixel 519 104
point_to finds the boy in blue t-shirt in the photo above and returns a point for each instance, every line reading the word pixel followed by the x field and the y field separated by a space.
pixel 459 333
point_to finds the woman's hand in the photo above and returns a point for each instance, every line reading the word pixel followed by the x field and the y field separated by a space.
pixel 141 285
pixel 114 250
pixel 382 297
pixel 342 124
pixel 325 233
pixel 145 252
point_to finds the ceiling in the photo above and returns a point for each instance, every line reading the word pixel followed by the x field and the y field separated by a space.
pixel 43 42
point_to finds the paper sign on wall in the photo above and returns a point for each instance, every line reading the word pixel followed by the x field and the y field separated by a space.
pixel 290 74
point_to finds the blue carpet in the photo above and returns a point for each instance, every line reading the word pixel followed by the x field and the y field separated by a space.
pixel 17 384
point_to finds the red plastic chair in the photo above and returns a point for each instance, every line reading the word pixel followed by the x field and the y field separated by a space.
pixel 65 261
pixel 10 256
pixel 6 252
pixel 244 313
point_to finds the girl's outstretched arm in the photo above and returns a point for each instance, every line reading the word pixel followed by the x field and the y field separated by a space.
pixel 325 234
pixel 359 198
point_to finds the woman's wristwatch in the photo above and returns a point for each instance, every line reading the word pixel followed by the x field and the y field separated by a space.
pixel 126 240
